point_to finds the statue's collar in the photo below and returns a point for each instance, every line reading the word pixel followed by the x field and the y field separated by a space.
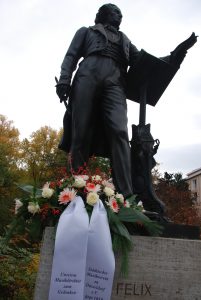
pixel 101 28
pixel 111 28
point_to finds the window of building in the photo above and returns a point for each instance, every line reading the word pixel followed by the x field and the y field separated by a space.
pixel 194 184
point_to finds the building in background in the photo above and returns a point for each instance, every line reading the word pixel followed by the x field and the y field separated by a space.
pixel 194 181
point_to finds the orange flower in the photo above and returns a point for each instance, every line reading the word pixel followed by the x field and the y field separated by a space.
pixel 114 205
pixel 67 195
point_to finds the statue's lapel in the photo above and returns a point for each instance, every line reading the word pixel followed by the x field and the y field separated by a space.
pixel 99 27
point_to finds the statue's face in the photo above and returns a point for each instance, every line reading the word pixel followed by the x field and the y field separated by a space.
pixel 114 16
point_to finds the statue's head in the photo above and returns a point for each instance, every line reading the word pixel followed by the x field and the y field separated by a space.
pixel 109 14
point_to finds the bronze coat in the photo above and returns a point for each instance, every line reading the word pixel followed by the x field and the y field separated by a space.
pixel 88 41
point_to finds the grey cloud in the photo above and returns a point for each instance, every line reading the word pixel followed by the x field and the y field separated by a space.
pixel 182 159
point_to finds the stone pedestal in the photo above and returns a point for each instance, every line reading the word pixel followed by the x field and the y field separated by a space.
pixel 45 266
pixel 160 269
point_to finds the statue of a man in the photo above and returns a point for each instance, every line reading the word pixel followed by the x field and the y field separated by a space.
pixel 95 122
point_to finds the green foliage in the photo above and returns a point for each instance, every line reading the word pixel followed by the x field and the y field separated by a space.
pixel 9 152
pixel 32 161
pixel 17 273
pixel 40 155
pixel 175 179
pixel 40 207
pixel 25 223
pixel 30 189
pixel 100 163
pixel 121 238
pixel 9 159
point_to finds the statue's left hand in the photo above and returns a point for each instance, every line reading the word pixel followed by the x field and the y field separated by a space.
pixel 180 51
pixel 187 44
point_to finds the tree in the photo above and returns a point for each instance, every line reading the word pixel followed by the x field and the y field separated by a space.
pixel 176 179
pixel 41 156
pixel 9 161
pixel 173 190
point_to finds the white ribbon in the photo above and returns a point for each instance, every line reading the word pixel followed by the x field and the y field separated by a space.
pixel 100 264
pixel 69 262
pixel 83 263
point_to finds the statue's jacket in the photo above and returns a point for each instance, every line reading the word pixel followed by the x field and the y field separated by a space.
pixel 86 42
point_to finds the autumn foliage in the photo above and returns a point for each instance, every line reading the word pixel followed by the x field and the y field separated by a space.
pixel 173 190
pixel 35 160
pixel 9 172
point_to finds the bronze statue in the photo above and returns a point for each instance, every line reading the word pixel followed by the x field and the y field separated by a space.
pixel 95 122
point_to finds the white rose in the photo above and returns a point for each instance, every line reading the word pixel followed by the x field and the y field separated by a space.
pixel 96 178
pixel 108 191
pixel 79 182
pixel 140 204
pixel 92 198
pixel 127 204
pixel 108 183
pixel 120 197
pixel 18 204
pixel 47 192
pixel 33 207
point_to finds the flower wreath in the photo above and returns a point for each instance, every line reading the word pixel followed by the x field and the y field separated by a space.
pixel 39 208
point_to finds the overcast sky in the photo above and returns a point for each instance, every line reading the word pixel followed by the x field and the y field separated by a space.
pixel 34 37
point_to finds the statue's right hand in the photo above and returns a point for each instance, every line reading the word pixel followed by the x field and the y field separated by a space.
pixel 63 91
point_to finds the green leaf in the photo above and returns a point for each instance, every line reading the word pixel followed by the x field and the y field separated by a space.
pixel 35 229
pixel 31 190
pixel 121 239
pixel 120 229
pixel 132 199
pixel 16 225
pixel 27 188
pixel 135 216
pixel 132 215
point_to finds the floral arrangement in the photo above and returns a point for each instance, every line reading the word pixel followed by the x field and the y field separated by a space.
pixel 39 208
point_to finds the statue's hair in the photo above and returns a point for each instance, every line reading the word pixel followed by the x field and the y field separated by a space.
pixel 104 10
